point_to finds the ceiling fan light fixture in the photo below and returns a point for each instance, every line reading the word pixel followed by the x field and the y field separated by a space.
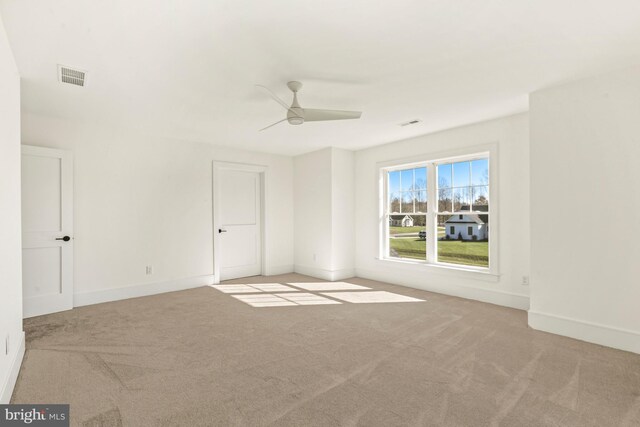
pixel 296 120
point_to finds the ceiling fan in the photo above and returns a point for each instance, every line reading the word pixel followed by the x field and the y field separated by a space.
pixel 297 115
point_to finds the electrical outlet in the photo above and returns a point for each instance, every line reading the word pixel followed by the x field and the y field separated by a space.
pixel 149 269
pixel 6 345
pixel 525 281
pixel 315 257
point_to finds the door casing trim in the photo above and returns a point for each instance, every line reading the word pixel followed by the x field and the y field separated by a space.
pixel 262 172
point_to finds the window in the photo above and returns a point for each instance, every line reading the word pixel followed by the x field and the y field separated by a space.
pixel 425 200
pixel 463 186
pixel 407 209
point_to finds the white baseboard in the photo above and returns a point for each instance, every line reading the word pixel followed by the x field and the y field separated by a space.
pixel 320 273
pixel 596 333
pixel 14 369
pixel 492 296
pixel 142 290
pixel 278 269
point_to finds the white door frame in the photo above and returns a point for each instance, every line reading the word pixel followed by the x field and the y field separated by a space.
pixel 246 167
pixel 39 307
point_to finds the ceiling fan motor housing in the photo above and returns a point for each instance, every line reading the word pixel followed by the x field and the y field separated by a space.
pixel 295 116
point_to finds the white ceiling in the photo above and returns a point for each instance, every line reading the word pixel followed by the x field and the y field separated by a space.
pixel 187 69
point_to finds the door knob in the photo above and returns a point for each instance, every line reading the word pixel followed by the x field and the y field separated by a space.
pixel 65 238
pixel 221 230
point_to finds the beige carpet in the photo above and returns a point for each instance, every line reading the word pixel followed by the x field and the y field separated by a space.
pixel 203 358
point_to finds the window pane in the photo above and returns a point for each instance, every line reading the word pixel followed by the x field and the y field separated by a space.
pixel 407 202
pixel 480 172
pixel 421 201
pixel 394 202
pixel 480 198
pixel 461 177
pixel 405 239
pixel 442 219
pixel 419 221
pixel 463 241
pixel 394 181
pixel 444 176
pixel 406 178
pixel 403 224
pixel 444 200
pixel 461 199
pixel 421 178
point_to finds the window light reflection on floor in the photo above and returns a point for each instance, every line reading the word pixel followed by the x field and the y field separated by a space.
pixel 370 297
pixel 253 288
pixel 308 299
pixel 234 289
pixel 259 294
pixel 328 286
pixel 263 300
pixel 273 287
pixel 288 299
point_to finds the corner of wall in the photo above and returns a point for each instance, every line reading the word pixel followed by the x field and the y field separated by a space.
pixel 140 290
pixel 325 197
pixel 595 333
pixel 325 274
pixel 10 222
pixel 584 134
pixel 6 391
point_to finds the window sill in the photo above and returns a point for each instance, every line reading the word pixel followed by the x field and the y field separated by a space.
pixel 448 269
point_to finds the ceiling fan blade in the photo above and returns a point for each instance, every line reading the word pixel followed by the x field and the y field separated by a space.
pixel 279 121
pixel 312 115
pixel 276 98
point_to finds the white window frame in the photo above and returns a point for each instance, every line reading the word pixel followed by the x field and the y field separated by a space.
pixel 431 161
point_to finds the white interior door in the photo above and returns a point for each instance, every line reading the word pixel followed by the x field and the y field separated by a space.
pixel 239 234
pixel 47 230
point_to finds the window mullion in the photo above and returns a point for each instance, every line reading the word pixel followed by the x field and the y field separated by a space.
pixel 432 223
pixel 386 203
pixel 413 190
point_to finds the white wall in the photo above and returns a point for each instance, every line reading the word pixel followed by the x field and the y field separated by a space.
pixel 512 136
pixel 10 231
pixel 585 156
pixel 324 213
pixel 312 207
pixel 145 201
pixel 343 212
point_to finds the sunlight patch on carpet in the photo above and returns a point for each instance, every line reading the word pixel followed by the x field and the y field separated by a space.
pixel 370 297
pixel 253 288
pixel 328 286
pixel 235 289
pixel 288 299
pixel 308 299
pixel 273 287
pixel 263 300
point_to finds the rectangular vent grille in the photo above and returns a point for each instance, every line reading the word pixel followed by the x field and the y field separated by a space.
pixel 409 123
pixel 71 76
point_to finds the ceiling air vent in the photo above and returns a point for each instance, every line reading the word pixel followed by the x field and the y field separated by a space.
pixel 409 123
pixel 71 76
